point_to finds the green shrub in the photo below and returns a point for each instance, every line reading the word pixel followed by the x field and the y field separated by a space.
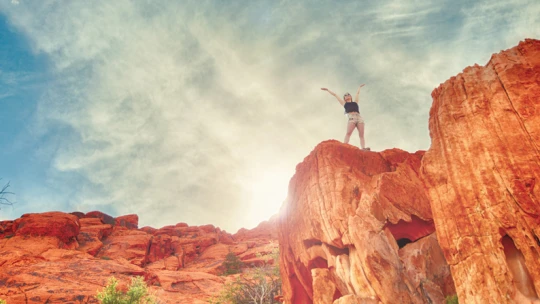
pixel 452 299
pixel 3 301
pixel 258 285
pixel 232 264
pixel 137 293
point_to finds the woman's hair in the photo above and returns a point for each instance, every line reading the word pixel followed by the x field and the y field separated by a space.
pixel 346 95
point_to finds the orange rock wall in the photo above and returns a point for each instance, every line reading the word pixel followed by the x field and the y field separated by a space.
pixel 365 221
pixel 346 212
pixel 481 173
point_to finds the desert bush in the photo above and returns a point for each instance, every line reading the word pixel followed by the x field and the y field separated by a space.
pixel 452 299
pixel 259 285
pixel 232 264
pixel 137 293
pixel 3 301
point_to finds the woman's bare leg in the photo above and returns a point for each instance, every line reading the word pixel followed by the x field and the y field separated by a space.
pixel 360 127
pixel 350 128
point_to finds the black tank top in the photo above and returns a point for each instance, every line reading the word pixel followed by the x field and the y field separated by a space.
pixel 351 107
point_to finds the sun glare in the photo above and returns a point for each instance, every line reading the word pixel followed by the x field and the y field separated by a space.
pixel 268 191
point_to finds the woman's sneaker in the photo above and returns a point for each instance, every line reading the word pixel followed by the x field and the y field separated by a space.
pixel 366 149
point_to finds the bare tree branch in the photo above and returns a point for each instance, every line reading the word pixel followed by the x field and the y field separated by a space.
pixel 4 200
pixel 258 285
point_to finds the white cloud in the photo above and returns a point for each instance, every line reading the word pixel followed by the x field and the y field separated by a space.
pixel 11 81
pixel 177 112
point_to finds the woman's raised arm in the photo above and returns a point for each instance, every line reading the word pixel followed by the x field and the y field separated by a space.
pixel 341 101
pixel 358 93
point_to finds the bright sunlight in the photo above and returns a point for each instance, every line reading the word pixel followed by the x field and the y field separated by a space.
pixel 268 191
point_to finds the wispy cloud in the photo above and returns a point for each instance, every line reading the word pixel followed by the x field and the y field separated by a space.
pixel 11 81
pixel 199 111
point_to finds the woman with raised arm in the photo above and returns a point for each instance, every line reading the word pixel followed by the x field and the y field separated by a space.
pixel 355 120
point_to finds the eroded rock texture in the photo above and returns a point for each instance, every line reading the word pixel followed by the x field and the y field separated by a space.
pixel 361 222
pixel 56 257
pixel 481 173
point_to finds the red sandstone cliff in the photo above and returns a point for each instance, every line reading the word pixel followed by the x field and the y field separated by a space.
pixel 345 226
pixel 56 257
pixel 481 172
pixel 395 227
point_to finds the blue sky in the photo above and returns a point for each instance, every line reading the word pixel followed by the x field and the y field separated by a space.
pixel 199 111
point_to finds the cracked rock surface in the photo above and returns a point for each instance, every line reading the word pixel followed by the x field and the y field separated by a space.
pixel 395 227
pixel 347 214
pixel 481 173
pixel 56 257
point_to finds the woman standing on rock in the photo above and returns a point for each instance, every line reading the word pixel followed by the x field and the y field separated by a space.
pixel 355 120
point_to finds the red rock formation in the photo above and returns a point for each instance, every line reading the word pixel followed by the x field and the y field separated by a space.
pixel 57 257
pixel 426 266
pixel 130 221
pixel 266 230
pixel 105 218
pixel 92 232
pixel 347 214
pixel 481 172
pixel 131 245
pixel 63 226
pixel 6 228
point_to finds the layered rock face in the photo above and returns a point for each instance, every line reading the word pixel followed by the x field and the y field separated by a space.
pixel 394 227
pixel 481 173
pixel 56 257
pixel 357 228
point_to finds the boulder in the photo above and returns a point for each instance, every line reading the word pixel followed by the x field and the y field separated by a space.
pixel 61 225
pixel 130 221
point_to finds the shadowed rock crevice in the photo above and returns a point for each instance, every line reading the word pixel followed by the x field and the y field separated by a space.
pixel 536 238
pixel 410 232
pixel 337 295
pixel 335 251
pixel 317 262
pixel 402 242
pixel 311 242
pixel 301 296
pixel 316 245
pixel 517 267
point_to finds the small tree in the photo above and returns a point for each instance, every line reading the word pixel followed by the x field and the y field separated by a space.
pixel 259 286
pixel 3 197
pixel 232 264
pixel 137 293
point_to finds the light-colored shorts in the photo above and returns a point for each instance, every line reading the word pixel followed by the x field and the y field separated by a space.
pixel 355 118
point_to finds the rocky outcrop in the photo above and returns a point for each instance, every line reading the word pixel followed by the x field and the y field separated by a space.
pixel 355 227
pixel 265 230
pixel 60 225
pixel 395 227
pixel 481 173
pixel 56 257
